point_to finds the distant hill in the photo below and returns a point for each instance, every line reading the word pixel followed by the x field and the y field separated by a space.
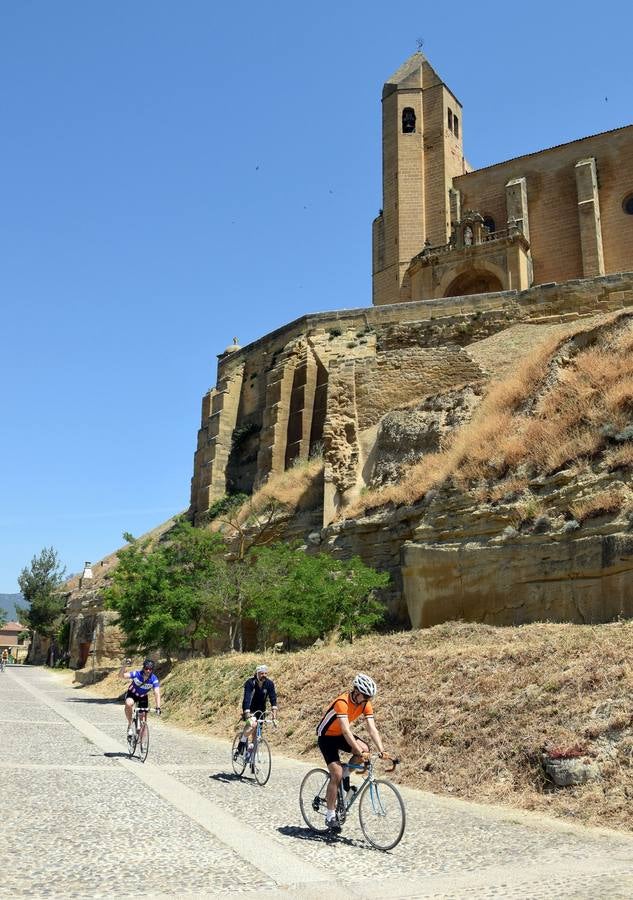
pixel 7 604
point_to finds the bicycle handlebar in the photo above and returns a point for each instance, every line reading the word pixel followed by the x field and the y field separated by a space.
pixel 274 722
pixel 394 760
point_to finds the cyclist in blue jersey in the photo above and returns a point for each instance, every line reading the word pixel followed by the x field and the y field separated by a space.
pixel 257 690
pixel 141 683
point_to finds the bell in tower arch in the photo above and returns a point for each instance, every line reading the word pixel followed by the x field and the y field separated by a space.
pixel 408 120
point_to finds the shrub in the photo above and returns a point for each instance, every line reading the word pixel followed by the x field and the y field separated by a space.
pixel 619 457
pixel 242 432
pixel 222 506
pixel 306 597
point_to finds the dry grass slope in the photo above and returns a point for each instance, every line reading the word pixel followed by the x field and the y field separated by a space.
pixel 296 490
pixel 566 403
pixel 467 707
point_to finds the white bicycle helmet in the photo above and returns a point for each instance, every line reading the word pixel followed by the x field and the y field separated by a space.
pixel 365 685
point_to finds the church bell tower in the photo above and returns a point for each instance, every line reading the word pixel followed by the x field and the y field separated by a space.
pixel 421 154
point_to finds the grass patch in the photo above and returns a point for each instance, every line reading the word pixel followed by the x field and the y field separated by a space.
pixel 602 503
pixel 298 489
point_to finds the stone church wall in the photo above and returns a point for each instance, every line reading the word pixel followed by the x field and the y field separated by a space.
pixel 553 202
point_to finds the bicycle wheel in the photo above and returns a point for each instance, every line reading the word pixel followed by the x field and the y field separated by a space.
pixel 238 764
pixel 381 814
pixel 312 799
pixel 262 762
pixel 143 741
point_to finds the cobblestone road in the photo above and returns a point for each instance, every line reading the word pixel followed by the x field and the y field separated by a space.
pixel 81 820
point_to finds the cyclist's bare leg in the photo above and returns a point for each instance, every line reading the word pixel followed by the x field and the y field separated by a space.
pixel 354 760
pixel 129 706
pixel 248 733
pixel 336 774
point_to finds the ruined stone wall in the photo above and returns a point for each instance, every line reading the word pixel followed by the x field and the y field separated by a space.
pixel 277 399
pixel 394 377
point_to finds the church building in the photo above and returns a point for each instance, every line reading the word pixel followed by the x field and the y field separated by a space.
pixel 446 230
pixel 458 256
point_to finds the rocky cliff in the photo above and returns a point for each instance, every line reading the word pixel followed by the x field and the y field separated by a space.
pixel 511 504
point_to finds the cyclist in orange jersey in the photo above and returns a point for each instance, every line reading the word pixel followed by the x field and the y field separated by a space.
pixel 334 734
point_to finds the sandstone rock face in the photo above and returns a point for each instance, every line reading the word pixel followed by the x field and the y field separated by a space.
pixel 479 562
pixel 378 389
pixel 581 580
pixel 406 435
pixel 90 621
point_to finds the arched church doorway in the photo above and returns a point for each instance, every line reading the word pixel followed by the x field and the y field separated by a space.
pixel 475 281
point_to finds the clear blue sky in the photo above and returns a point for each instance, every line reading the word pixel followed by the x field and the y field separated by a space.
pixel 173 174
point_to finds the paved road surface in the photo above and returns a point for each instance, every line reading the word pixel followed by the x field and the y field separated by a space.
pixel 81 820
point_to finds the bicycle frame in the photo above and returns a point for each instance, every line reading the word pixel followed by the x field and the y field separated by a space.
pixel 344 804
pixel 250 755
pixel 139 715
pixel 140 731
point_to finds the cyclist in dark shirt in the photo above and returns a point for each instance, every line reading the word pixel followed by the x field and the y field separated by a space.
pixel 257 691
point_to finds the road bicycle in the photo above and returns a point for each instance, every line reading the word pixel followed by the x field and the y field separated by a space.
pixel 380 807
pixel 256 756
pixel 140 733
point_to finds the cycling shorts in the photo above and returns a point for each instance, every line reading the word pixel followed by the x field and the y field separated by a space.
pixel 141 702
pixel 331 744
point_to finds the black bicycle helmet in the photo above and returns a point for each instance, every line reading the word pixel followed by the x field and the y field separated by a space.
pixel 149 664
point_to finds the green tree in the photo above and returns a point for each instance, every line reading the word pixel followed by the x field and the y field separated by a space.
pixel 3 617
pixel 248 525
pixel 304 597
pixel 190 587
pixel 39 583
pixel 163 594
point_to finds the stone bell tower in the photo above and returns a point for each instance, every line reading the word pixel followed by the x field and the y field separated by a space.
pixel 421 154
